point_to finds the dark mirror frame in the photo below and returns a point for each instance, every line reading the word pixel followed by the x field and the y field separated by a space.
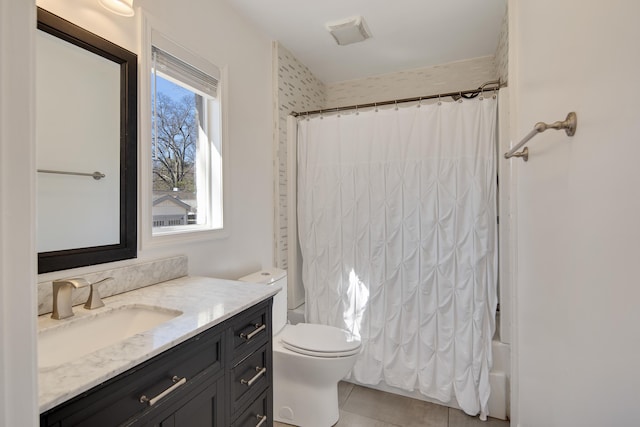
pixel 128 61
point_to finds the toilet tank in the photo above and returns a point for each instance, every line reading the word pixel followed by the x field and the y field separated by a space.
pixel 273 277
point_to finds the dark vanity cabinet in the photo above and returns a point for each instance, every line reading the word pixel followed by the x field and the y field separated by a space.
pixel 221 377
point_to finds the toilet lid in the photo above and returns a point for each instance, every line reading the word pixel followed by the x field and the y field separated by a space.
pixel 319 340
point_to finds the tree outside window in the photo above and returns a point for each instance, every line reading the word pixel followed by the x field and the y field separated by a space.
pixel 175 124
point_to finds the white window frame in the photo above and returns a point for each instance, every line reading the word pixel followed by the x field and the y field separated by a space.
pixel 217 183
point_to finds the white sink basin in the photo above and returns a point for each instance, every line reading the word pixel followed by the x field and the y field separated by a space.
pixel 79 337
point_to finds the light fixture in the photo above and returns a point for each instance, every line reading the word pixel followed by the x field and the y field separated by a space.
pixel 119 7
pixel 350 30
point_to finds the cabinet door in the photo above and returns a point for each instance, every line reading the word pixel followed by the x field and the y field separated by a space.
pixel 203 408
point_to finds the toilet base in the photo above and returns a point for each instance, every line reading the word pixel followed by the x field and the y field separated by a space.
pixel 306 407
pixel 305 388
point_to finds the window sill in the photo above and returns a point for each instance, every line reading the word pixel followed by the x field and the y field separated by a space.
pixel 173 237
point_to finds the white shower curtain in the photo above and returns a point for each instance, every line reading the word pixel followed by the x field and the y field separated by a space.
pixel 397 227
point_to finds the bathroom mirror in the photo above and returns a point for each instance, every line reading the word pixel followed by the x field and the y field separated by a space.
pixel 86 147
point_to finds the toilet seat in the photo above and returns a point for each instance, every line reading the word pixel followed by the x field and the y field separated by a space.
pixel 319 340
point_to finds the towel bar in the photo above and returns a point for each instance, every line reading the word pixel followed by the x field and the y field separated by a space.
pixel 569 125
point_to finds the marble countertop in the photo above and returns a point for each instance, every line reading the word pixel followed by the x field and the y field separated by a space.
pixel 204 302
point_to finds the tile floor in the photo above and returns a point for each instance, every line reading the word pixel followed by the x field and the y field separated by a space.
pixel 365 407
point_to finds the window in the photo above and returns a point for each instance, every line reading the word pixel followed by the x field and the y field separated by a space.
pixel 186 142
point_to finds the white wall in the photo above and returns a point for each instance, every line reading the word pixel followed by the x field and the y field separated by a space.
pixel 213 30
pixel 577 343
pixel 18 379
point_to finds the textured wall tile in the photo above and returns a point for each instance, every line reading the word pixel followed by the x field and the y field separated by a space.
pixel 502 52
pixel 460 75
pixel 298 90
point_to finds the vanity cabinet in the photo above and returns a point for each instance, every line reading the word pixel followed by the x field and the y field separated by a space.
pixel 221 377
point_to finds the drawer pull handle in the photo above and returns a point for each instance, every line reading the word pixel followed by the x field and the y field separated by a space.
pixel 262 418
pixel 256 377
pixel 259 328
pixel 177 382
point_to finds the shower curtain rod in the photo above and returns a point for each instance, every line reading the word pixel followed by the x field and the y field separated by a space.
pixel 493 85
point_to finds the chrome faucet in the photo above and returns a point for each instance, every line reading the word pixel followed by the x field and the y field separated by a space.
pixel 62 305
pixel 62 296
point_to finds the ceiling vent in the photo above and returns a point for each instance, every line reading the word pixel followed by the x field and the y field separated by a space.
pixel 350 30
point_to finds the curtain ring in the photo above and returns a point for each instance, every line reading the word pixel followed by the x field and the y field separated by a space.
pixel 481 96
pixel 307 116
pixel 460 99
pixel 420 102
pixel 495 95
pixel 357 112
pixel 321 115
pixel 338 111
pixel 439 100
pixel 375 105
pixel 396 101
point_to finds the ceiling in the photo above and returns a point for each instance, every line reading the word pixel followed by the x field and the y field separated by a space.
pixel 407 34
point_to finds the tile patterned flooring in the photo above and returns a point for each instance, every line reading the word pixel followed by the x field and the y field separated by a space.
pixel 365 407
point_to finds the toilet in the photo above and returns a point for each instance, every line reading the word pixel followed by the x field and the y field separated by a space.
pixel 308 362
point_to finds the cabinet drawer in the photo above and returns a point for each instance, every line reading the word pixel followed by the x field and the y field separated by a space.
pixel 251 330
pixel 250 377
pixel 119 399
pixel 257 414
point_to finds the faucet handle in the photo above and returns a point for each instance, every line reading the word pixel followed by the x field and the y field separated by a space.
pixel 94 300
pixel 77 282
